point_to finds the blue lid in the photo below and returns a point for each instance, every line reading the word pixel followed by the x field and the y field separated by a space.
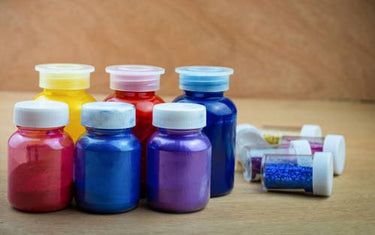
pixel 204 78
pixel 108 115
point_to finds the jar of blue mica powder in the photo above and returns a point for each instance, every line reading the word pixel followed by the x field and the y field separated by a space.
pixel 178 159
pixel 311 174
pixel 107 159
pixel 205 85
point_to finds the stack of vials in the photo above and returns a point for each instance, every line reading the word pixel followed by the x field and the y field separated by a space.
pixel 286 159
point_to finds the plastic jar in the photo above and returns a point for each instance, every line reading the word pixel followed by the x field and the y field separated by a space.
pixel 66 83
pixel 304 173
pixel 205 85
pixel 136 85
pixel 107 160
pixel 178 159
pixel 251 156
pixel 40 157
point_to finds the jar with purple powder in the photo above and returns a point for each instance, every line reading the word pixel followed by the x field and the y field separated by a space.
pixel 178 159
pixel 251 156
pixel 312 174
pixel 331 143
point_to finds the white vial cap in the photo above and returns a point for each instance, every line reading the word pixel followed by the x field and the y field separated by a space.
pixel 108 115
pixel 309 130
pixel 336 145
pixel 179 116
pixel 139 78
pixel 322 173
pixel 41 114
pixel 302 147
pixel 247 134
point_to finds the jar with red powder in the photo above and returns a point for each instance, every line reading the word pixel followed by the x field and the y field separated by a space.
pixel 40 157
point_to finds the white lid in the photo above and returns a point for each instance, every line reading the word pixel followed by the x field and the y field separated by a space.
pixel 249 135
pixel 336 145
pixel 179 116
pixel 302 147
pixel 322 173
pixel 108 115
pixel 134 77
pixel 309 130
pixel 41 114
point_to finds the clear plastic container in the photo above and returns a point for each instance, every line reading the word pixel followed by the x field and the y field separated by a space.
pixel 311 174
pixel 107 160
pixel 136 85
pixel 205 85
pixel 66 83
pixel 251 156
pixel 331 143
pixel 178 159
pixel 40 157
pixel 273 134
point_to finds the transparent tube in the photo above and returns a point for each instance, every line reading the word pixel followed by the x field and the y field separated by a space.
pixel 316 143
pixel 251 158
pixel 302 173
pixel 334 144
pixel 272 133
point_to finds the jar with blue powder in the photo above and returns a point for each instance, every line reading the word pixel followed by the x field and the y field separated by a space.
pixel 205 85
pixel 107 159
pixel 311 174
pixel 251 156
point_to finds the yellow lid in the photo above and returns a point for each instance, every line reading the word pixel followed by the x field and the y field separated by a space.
pixel 64 76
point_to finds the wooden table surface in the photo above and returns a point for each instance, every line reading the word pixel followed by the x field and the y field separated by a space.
pixel 350 209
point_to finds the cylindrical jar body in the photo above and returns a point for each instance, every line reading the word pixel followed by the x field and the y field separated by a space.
pixel 178 170
pixel 40 169
pixel 107 171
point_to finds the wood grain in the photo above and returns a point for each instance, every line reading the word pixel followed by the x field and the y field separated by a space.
pixel 279 49
pixel 247 210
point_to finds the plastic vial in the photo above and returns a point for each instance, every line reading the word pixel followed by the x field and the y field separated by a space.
pixel 331 143
pixel 306 173
pixel 205 85
pixel 247 135
pixel 273 134
pixel 136 85
pixel 178 159
pixel 251 156
pixel 40 157
pixel 66 83
pixel 107 160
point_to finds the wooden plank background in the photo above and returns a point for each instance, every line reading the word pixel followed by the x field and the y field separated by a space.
pixel 279 49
